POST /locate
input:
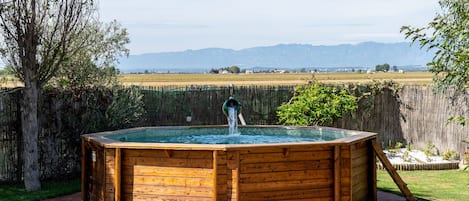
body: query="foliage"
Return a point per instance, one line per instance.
(382, 67)
(111, 109)
(448, 35)
(125, 108)
(230, 69)
(94, 64)
(450, 154)
(409, 147)
(6, 71)
(366, 93)
(315, 104)
(461, 120)
(398, 145)
(430, 150)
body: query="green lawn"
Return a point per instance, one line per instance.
(441, 185)
(49, 190)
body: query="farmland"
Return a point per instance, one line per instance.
(269, 78)
(255, 79)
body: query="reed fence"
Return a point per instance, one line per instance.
(414, 115)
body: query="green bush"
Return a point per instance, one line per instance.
(125, 108)
(316, 104)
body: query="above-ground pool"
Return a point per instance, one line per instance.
(204, 163)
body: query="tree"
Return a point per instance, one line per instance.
(448, 34)
(234, 69)
(38, 37)
(382, 67)
(94, 64)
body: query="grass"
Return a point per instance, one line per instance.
(50, 189)
(441, 185)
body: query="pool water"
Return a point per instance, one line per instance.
(245, 135)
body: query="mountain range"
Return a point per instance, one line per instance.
(283, 56)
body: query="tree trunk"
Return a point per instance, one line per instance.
(30, 135)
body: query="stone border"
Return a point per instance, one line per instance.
(422, 166)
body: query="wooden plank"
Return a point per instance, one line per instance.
(85, 160)
(345, 172)
(141, 197)
(360, 152)
(372, 164)
(195, 192)
(284, 176)
(215, 175)
(311, 148)
(285, 185)
(337, 176)
(286, 166)
(358, 162)
(143, 170)
(279, 157)
(179, 154)
(236, 175)
(117, 175)
(302, 194)
(233, 173)
(169, 162)
(392, 172)
(168, 181)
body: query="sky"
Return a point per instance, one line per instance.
(178, 25)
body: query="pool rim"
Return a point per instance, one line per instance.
(101, 139)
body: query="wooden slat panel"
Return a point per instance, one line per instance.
(362, 152)
(361, 161)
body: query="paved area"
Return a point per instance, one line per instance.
(382, 196)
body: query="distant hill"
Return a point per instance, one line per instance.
(289, 56)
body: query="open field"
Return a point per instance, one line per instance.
(270, 78)
(255, 79)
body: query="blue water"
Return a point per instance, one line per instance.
(249, 135)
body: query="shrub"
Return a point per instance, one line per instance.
(316, 104)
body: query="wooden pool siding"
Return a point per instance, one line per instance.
(330, 171)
